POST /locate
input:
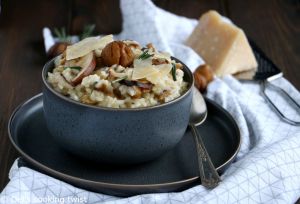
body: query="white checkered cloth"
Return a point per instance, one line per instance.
(268, 166)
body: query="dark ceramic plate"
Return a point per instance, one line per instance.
(174, 171)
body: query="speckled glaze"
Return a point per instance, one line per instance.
(118, 136)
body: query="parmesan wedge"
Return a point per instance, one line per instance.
(222, 45)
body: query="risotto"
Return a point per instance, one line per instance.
(117, 74)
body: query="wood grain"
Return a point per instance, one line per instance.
(274, 26)
(105, 14)
(189, 8)
(21, 60)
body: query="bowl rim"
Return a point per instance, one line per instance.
(67, 99)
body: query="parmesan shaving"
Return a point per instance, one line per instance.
(87, 45)
(143, 69)
(163, 70)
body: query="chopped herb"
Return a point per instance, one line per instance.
(87, 31)
(174, 72)
(75, 67)
(145, 55)
(119, 79)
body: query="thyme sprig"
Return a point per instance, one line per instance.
(173, 71)
(62, 34)
(87, 31)
(145, 55)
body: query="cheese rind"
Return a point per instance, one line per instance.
(222, 45)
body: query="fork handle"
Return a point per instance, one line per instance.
(208, 173)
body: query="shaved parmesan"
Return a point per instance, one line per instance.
(154, 78)
(163, 70)
(142, 63)
(142, 69)
(87, 45)
(145, 69)
(143, 72)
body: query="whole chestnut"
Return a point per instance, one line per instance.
(203, 75)
(57, 49)
(117, 52)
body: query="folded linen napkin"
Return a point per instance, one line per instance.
(267, 169)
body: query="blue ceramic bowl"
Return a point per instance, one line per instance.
(118, 136)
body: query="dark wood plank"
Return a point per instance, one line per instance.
(22, 56)
(189, 8)
(105, 14)
(274, 26)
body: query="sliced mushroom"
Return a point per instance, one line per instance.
(128, 82)
(144, 85)
(158, 61)
(88, 64)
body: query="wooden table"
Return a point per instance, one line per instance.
(273, 25)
